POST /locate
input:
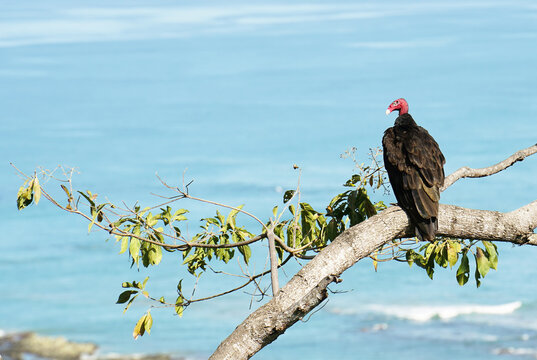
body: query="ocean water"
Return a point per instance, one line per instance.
(232, 95)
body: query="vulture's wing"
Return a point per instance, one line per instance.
(415, 167)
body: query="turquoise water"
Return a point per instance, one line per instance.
(236, 95)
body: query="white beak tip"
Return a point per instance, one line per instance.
(388, 111)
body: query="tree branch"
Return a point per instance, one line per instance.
(466, 172)
(307, 289)
(273, 260)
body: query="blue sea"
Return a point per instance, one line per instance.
(231, 95)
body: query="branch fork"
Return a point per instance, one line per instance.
(307, 289)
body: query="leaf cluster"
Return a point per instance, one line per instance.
(311, 230)
(143, 224)
(143, 325)
(29, 192)
(221, 233)
(449, 252)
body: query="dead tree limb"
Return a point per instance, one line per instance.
(307, 289)
(466, 172)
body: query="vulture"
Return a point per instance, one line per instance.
(415, 167)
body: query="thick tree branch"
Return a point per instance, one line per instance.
(307, 289)
(466, 172)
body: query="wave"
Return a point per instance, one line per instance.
(443, 312)
(516, 351)
(376, 327)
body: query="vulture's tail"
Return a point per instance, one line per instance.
(426, 229)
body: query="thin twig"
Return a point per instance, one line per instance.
(186, 195)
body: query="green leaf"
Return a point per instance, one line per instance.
(477, 277)
(369, 208)
(352, 181)
(441, 255)
(144, 210)
(220, 218)
(90, 201)
(129, 303)
(139, 329)
(409, 257)
(452, 254)
(92, 221)
(463, 272)
(246, 252)
(24, 195)
(429, 252)
(179, 308)
(288, 195)
(134, 249)
(492, 252)
(180, 212)
(212, 221)
(124, 244)
(292, 210)
(430, 270)
(151, 220)
(148, 322)
(456, 245)
(37, 191)
(69, 196)
(231, 217)
(155, 254)
(125, 296)
(307, 208)
(331, 230)
(483, 265)
(413, 257)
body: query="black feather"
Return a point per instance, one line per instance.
(415, 167)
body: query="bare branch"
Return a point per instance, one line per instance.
(186, 195)
(250, 280)
(466, 172)
(273, 260)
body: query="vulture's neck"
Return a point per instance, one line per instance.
(405, 120)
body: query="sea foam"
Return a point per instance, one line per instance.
(425, 313)
(516, 351)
